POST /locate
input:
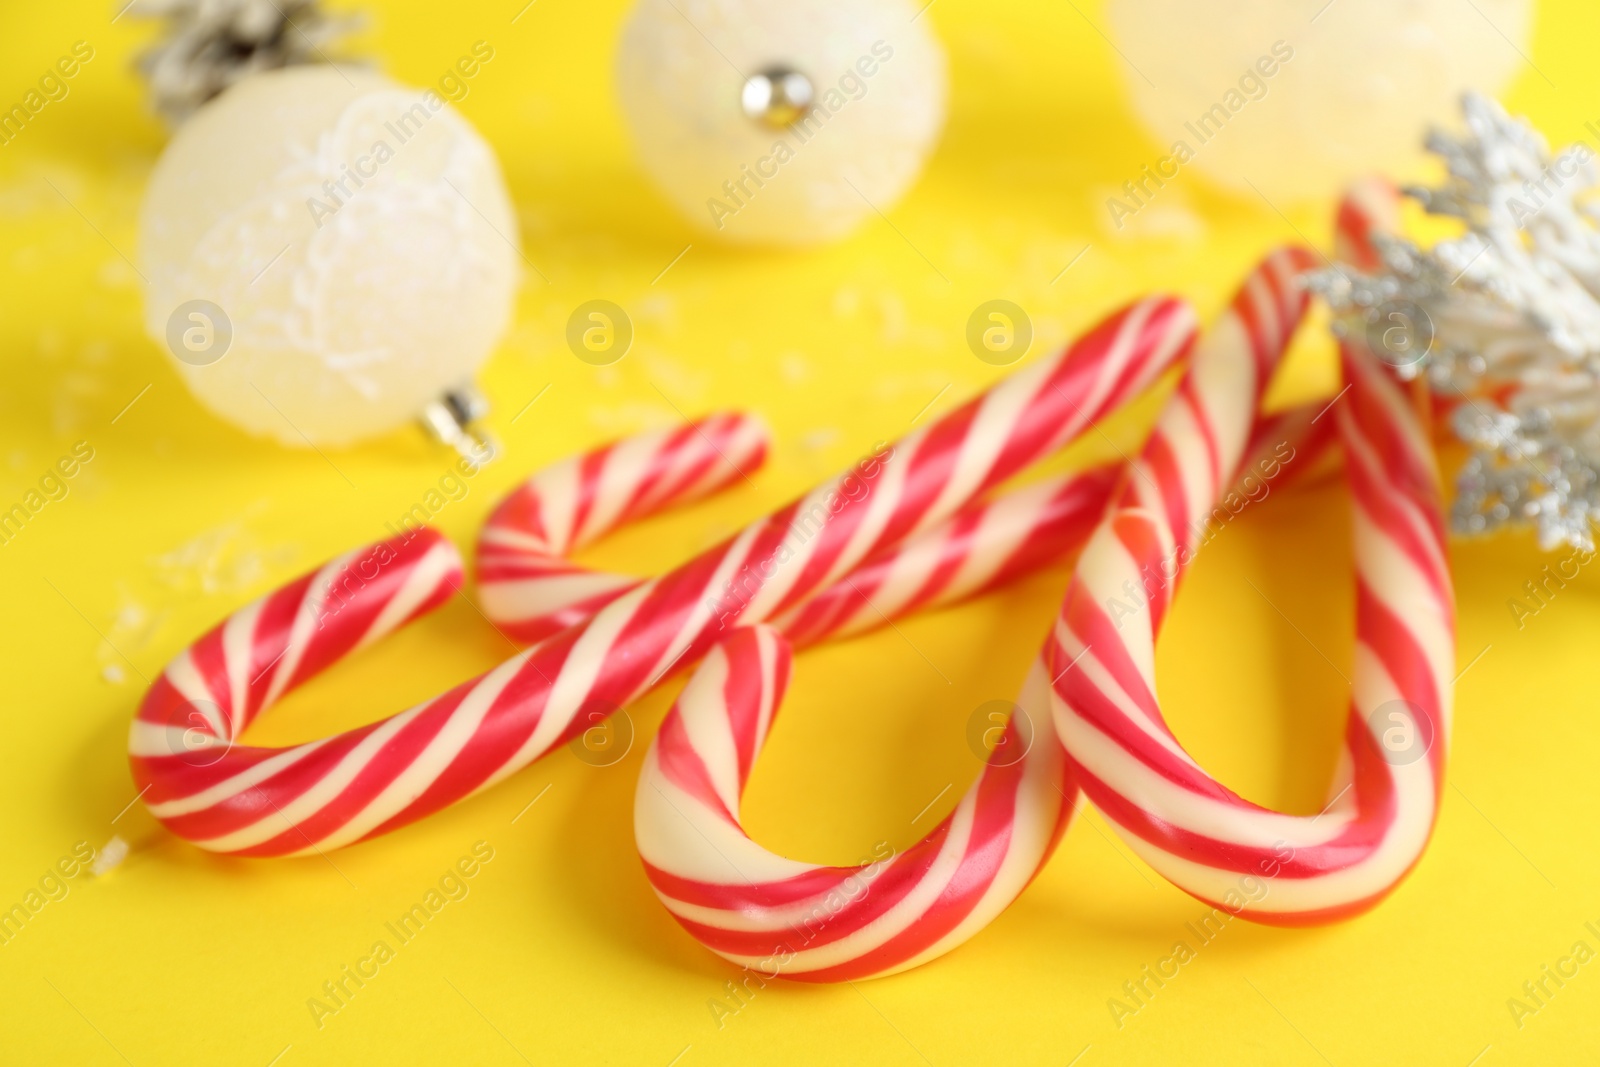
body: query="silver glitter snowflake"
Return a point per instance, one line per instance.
(1505, 316)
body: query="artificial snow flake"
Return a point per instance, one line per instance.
(1505, 316)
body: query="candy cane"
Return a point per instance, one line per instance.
(820, 923)
(328, 793)
(530, 587)
(1206, 839)
(778, 916)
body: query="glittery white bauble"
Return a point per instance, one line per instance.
(1364, 80)
(877, 81)
(325, 252)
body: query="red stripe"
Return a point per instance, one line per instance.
(591, 466)
(981, 861)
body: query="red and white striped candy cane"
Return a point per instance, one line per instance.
(529, 588)
(820, 923)
(779, 916)
(1209, 841)
(338, 790)
(526, 584)
(181, 744)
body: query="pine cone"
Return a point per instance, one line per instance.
(211, 44)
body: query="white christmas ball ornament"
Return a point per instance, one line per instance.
(781, 123)
(326, 252)
(1296, 101)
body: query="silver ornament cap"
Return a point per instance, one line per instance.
(777, 96)
(456, 419)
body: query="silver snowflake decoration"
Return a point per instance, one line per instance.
(1505, 316)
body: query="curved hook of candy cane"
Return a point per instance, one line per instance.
(181, 744)
(1233, 854)
(338, 790)
(526, 585)
(820, 923)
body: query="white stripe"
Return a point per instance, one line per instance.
(1105, 567)
(1038, 800)
(1225, 386)
(990, 431)
(1099, 675)
(229, 788)
(238, 638)
(184, 676)
(1113, 377)
(584, 662)
(431, 762)
(1228, 821)
(677, 833)
(620, 474)
(556, 488)
(907, 910)
(425, 578)
(1004, 527)
(703, 712)
(515, 541)
(1399, 848)
(883, 504)
(302, 628)
(525, 599)
(287, 817)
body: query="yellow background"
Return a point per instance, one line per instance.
(560, 953)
